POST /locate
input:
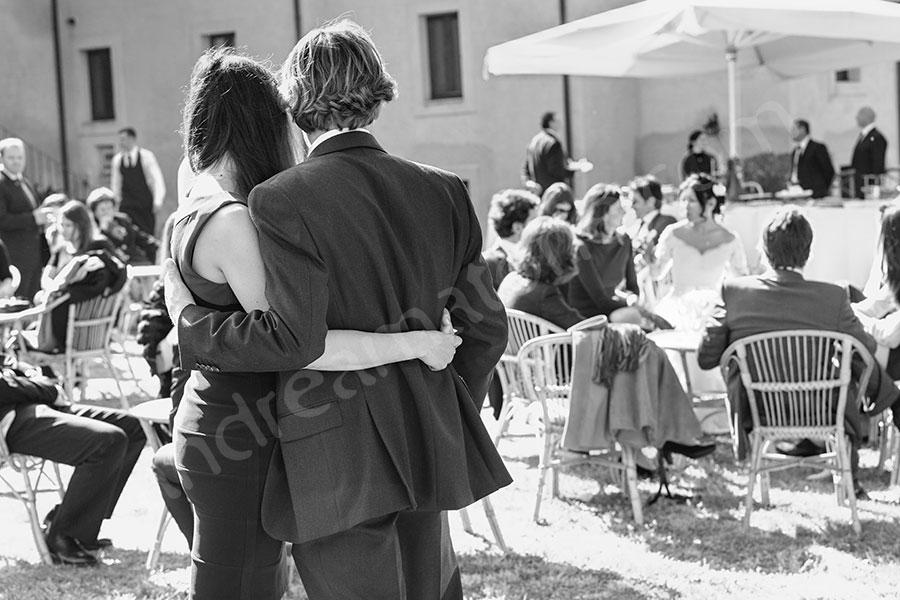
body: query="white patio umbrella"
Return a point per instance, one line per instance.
(674, 38)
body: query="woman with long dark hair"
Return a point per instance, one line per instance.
(606, 283)
(237, 135)
(559, 201)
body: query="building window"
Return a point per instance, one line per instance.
(215, 40)
(443, 56)
(101, 83)
(847, 76)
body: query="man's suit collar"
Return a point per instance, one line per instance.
(345, 141)
(782, 275)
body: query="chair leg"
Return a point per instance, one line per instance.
(506, 414)
(60, 486)
(495, 525)
(153, 556)
(895, 466)
(542, 474)
(123, 400)
(34, 520)
(885, 439)
(466, 522)
(843, 447)
(631, 482)
(755, 460)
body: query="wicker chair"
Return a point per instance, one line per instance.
(33, 471)
(545, 363)
(797, 384)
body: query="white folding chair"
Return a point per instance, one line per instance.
(797, 384)
(33, 473)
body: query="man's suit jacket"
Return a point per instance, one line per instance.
(781, 300)
(496, 259)
(814, 169)
(354, 238)
(660, 222)
(545, 160)
(21, 233)
(868, 158)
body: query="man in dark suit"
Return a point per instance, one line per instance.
(546, 161)
(811, 166)
(510, 212)
(356, 238)
(21, 221)
(781, 299)
(102, 444)
(868, 152)
(646, 199)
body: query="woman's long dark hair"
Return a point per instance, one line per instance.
(890, 239)
(233, 111)
(556, 194)
(78, 213)
(597, 201)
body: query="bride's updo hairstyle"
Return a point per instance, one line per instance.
(705, 189)
(233, 113)
(334, 78)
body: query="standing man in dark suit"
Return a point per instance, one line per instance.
(354, 236)
(781, 299)
(511, 210)
(21, 221)
(546, 161)
(811, 166)
(868, 152)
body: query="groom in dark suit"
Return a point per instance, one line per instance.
(811, 166)
(781, 299)
(356, 238)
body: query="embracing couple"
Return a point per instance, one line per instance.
(307, 320)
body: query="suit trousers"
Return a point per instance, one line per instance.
(102, 444)
(405, 555)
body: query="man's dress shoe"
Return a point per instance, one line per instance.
(692, 451)
(804, 447)
(68, 551)
(97, 544)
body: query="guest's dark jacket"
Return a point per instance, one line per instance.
(601, 268)
(868, 158)
(354, 238)
(814, 169)
(545, 160)
(537, 298)
(660, 222)
(781, 300)
(16, 389)
(133, 245)
(495, 258)
(20, 232)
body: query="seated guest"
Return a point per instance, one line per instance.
(510, 212)
(781, 299)
(604, 259)
(646, 200)
(102, 444)
(878, 312)
(544, 260)
(559, 201)
(83, 266)
(133, 246)
(811, 166)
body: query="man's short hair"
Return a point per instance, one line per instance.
(787, 238)
(98, 196)
(129, 131)
(11, 142)
(335, 78)
(649, 189)
(547, 118)
(803, 124)
(509, 207)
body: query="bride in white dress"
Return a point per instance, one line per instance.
(696, 255)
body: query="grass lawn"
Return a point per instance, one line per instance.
(801, 547)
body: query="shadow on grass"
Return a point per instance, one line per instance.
(514, 576)
(707, 530)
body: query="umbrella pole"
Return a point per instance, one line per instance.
(731, 59)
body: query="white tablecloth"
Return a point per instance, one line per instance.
(844, 237)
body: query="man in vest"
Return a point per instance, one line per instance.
(137, 182)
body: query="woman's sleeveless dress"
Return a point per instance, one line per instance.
(223, 442)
